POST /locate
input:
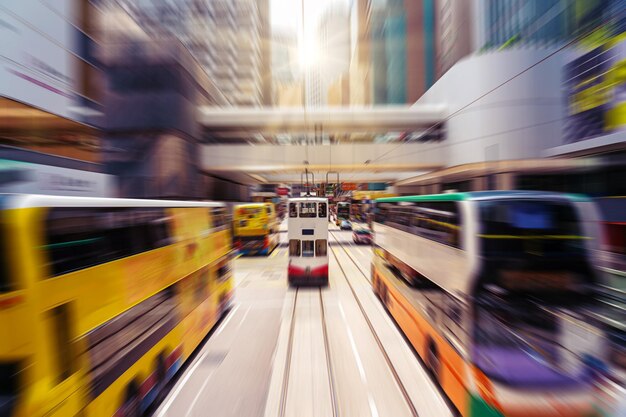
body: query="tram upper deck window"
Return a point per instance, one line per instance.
(293, 210)
(307, 210)
(322, 210)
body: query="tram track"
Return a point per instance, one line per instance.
(327, 355)
(379, 343)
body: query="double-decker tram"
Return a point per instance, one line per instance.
(308, 240)
(102, 300)
(343, 212)
(255, 228)
(490, 289)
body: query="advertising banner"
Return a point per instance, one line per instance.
(28, 178)
(595, 77)
(37, 64)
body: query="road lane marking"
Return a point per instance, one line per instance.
(208, 378)
(372, 404)
(357, 357)
(359, 363)
(194, 366)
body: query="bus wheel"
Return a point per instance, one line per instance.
(132, 403)
(432, 359)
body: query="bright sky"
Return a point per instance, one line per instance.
(287, 15)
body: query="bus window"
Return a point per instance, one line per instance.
(321, 210)
(62, 342)
(307, 248)
(294, 247)
(321, 247)
(80, 238)
(5, 283)
(307, 210)
(219, 216)
(293, 210)
(75, 240)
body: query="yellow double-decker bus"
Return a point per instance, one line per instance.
(255, 228)
(102, 300)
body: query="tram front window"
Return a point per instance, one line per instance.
(307, 248)
(321, 247)
(294, 247)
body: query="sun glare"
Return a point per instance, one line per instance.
(308, 54)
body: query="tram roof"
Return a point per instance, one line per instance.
(484, 195)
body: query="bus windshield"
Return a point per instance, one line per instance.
(537, 227)
(524, 346)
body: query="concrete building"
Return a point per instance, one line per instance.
(332, 38)
(266, 67)
(285, 65)
(315, 95)
(50, 81)
(566, 103)
(360, 46)
(287, 76)
(378, 56)
(402, 50)
(289, 94)
(230, 39)
(528, 22)
(339, 92)
(454, 33)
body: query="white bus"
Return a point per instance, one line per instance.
(308, 240)
(491, 289)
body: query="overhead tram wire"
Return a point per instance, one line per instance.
(456, 112)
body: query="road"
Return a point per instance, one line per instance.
(305, 352)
